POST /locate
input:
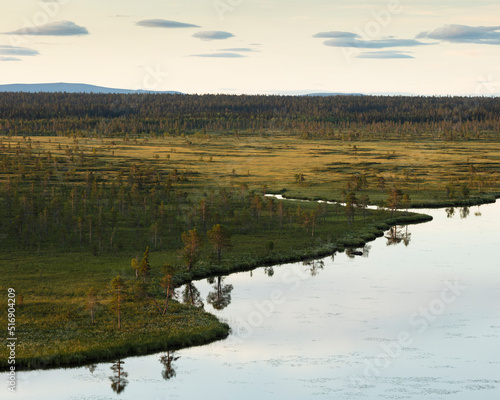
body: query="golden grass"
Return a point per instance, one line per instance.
(421, 168)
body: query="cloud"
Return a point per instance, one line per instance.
(59, 28)
(163, 23)
(17, 51)
(240, 49)
(373, 44)
(9, 59)
(351, 39)
(220, 55)
(465, 34)
(336, 35)
(213, 35)
(387, 54)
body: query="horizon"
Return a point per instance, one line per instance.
(372, 47)
(296, 94)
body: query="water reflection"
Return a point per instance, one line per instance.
(366, 250)
(91, 367)
(119, 380)
(314, 266)
(353, 252)
(168, 369)
(191, 295)
(398, 234)
(220, 297)
(269, 271)
(464, 212)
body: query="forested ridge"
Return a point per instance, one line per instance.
(338, 117)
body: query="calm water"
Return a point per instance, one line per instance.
(415, 320)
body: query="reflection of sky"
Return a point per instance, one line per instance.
(329, 326)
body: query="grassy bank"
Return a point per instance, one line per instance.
(53, 342)
(295, 251)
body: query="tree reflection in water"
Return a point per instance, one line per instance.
(314, 266)
(220, 298)
(168, 370)
(450, 212)
(118, 380)
(91, 367)
(464, 212)
(191, 295)
(406, 236)
(364, 252)
(398, 234)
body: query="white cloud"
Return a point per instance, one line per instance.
(163, 23)
(373, 44)
(59, 28)
(9, 59)
(465, 34)
(17, 51)
(336, 34)
(213, 35)
(385, 54)
(240, 49)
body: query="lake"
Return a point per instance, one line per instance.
(417, 316)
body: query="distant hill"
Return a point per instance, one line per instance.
(70, 88)
(333, 94)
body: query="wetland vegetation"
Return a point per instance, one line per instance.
(89, 182)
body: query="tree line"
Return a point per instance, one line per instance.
(336, 117)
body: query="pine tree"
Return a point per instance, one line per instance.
(220, 238)
(394, 200)
(118, 296)
(167, 283)
(191, 250)
(145, 267)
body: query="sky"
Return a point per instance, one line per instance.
(420, 47)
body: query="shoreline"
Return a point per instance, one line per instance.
(415, 205)
(220, 330)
